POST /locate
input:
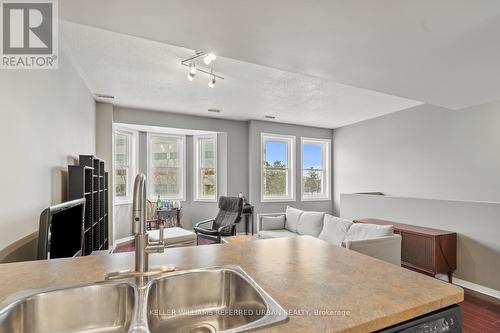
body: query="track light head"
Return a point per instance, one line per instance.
(192, 68)
(190, 76)
(207, 59)
(211, 83)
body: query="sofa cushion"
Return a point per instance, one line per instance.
(292, 218)
(272, 222)
(310, 223)
(335, 229)
(359, 231)
(276, 233)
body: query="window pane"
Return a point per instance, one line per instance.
(313, 183)
(208, 182)
(315, 173)
(121, 179)
(121, 149)
(206, 187)
(166, 181)
(313, 156)
(275, 182)
(276, 154)
(207, 152)
(121, 162)
(166, 152)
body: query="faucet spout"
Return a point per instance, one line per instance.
(139, 204)
(143, 247)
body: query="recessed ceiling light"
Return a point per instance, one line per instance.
(270, 117)
(214, 110)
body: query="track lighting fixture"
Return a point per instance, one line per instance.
(208, 58)
(211, 83)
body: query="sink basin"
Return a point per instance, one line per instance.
(210, 300)
(101, 307)
(221, 299)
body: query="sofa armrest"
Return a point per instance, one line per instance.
(259, 218)
(384, 248)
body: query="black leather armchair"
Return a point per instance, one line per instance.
(224, 223)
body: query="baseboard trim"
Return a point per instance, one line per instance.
(472, 286)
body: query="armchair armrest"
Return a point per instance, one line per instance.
(203, 222)
(226, 227)
(386, 248)
(260, 216)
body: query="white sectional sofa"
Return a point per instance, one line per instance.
(373, 240)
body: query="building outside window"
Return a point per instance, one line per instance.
(277, 173)
(205, 168)
(315, 156)
(166, 166)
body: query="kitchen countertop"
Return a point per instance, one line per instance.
(325, 288)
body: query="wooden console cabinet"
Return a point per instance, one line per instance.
(429, 251)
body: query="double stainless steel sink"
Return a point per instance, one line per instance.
(219, 299)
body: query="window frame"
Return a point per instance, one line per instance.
(326, 152)
(132, 164)
(290, 140)
(197, 161)
(149, 173)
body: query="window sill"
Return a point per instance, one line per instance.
(315, 199)
(205, 200)
(277, 200)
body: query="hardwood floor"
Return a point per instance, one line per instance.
(125, 247)
(479, 315)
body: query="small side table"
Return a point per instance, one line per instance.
(247, 213)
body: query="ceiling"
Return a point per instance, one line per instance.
(145, 74)
(442, 52)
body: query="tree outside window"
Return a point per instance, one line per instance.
(277, 171)
(315, 169)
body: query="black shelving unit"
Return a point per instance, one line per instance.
(89, 180)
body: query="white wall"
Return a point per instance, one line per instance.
(448, 159)
(426, 152)
(476, 225)
(47, 118)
